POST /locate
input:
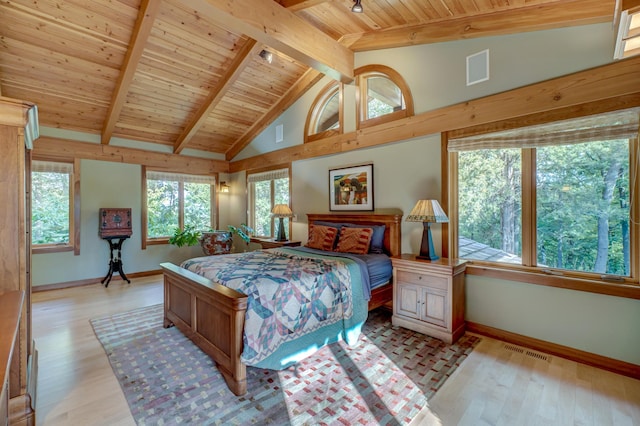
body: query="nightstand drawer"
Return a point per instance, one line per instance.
(422, 279)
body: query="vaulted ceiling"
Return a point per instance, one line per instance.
(187, 73)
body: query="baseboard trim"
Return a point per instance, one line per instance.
(594, 360)
(91, 281)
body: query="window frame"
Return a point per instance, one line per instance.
(251, 198)
(74, 210)
(146, 241)
(575, 280)
(326, 93)
(374, 70)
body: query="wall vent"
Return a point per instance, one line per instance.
(527, 352)
(478, 67)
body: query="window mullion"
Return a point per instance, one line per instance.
(181, 204)
(529, 207)
(453, 189)
(273, 201)
(213, 211)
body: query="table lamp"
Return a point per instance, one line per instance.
(427, 211)
(281, 211)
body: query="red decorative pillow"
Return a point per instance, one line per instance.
(321, 237)
(354, 240)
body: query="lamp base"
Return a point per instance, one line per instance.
(281, 235)
(434, 257)
(427, 252)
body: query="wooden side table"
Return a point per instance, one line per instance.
(428, 296)
(115, 262)
(268, 243)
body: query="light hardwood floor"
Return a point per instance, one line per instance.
(496, 385)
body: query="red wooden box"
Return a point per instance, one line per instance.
(114, 223)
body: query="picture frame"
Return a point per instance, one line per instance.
(351, 188)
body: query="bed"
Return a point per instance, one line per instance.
(213, 316)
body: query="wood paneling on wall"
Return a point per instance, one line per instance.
(612, 83)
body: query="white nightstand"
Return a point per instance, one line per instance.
(428, 296)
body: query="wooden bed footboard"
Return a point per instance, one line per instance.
(212, 316)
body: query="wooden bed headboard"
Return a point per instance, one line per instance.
(391, 219)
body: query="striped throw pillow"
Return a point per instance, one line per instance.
(354, 240)
(321, 237)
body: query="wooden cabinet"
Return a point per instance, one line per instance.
(268, 243)
(18, 127)
(10, 309)
(428, 296)
(114, 222)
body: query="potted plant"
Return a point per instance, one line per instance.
(213, 242)
(188, 236)
(243, 231)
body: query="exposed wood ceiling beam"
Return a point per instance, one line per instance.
(271, 24)
(141, 31)
(304, 83)
(233, 71)
(521, 19)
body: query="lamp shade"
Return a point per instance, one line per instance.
(281, 210)
(427, 211)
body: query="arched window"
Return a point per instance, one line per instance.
(325, 116)
(383, 96)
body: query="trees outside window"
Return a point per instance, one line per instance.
(177, 200)
(383, 96)
(583, 207)
(489, 207)
(555, 197)
(325, 118)
(265, 190)
(51, 205)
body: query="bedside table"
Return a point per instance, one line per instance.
(428, 296)
(268, 243)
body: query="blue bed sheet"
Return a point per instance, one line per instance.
(376, 269)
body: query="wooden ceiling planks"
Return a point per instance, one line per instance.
(216, 94)
(181, 85)
(50, 54)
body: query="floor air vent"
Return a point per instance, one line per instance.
(527, 352)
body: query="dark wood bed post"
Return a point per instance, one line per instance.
(212, 315)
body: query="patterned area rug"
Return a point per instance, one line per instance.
(385, 379)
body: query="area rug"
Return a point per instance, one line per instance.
(386, 378)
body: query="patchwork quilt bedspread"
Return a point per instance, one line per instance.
(290, 294)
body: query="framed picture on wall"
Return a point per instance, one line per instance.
(351, 188)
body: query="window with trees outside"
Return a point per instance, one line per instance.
(52, 201)
(325, 116)
(383, 95)
(556, 197)
(266, 189)
(176, 200)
